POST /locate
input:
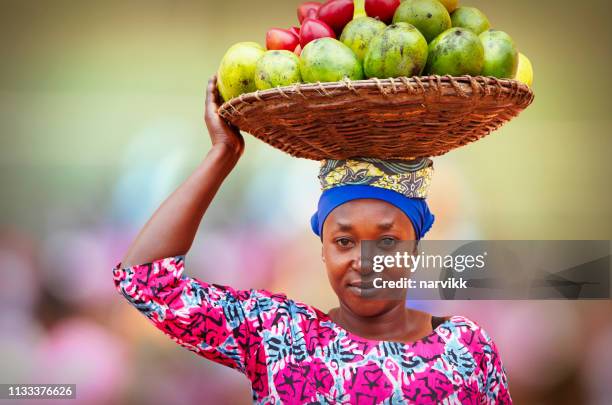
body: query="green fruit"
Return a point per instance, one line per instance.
(428, 16)
(329, 60)
(471, 19)
(400, 50)
(500, 55)
(358, 33)
(456, 52)
(277, 68)
(236, 74)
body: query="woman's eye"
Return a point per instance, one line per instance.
(386, 243)
(344, 242)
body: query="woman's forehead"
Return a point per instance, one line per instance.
(369, 216)
(375, 211)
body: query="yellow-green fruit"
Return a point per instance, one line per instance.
(524, 72)
(329, 60)
(359, 9)
(277, 68)
(428, 16)
(358, 33)
(450, 5)
(470, 18)
(236, 74)
(400, 50)
(500, 54)
(455, 52)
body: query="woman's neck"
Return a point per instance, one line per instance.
(396, 324)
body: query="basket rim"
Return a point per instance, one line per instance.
(414, 83)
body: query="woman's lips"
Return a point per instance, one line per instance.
(362, 287)
(362, 284)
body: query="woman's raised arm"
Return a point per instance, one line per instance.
(172, 228)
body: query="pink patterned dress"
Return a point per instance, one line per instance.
(293, 353)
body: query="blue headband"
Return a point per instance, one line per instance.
(416, 209)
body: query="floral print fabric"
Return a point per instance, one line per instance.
(409, 178)
(293, 353)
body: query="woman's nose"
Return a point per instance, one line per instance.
(356, 263)
(356, 260)
(361, 261)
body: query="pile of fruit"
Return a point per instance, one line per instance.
(377, 38)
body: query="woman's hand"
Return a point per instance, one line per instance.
(220, 131)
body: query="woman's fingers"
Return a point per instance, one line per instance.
(220, 131)
(211, 98)
(212, 94)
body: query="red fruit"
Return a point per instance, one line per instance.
(308, 10)
(382, 9)
(280, 39)
(314, 29)
(298, 50)
(337, 13)
(295, 30)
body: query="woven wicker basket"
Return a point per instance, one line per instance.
(391, 118)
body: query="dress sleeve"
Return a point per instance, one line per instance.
(495, 381)
(211, 320)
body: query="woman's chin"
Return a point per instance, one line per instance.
(364, 303)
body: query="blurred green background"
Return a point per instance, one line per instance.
(80, 79)
(101, 108)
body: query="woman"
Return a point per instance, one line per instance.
(365, 351)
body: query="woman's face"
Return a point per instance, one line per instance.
(344, 230)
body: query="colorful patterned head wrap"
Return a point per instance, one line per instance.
(402, 183)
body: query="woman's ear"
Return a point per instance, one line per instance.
(322, 255)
